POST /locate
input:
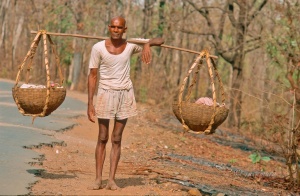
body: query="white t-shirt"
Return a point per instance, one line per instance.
(114, 69)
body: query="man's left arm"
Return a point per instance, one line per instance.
(146, 53)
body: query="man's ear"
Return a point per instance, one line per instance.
(125, 29)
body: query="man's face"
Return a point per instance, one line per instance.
(117, 28)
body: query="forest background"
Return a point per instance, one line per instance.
(256, 41)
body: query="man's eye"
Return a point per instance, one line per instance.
(115, 27)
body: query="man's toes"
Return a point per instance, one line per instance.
(96, 186)
(112, 187)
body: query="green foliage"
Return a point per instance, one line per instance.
(182, 139)
(143, 94)
(68, 83)
(232, 161)
(257, 158)
(133, 61)
(62, 20)
(282, 45)
(66, 56)
(283, 48)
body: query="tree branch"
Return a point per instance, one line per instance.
(255, 12)
(231, 13)
(252, 48)
(253, 40)
(194, 33)
(205, 13)
(222, 23)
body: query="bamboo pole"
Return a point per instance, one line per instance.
(136, 41)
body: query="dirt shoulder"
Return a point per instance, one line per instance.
(157, 159)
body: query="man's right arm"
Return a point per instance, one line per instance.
(92, 81)
(146, 53)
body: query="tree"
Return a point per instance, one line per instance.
(240, 14)
(283, 47)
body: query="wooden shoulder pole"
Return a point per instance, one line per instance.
(136, 41)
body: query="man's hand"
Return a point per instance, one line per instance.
(146, 53)
(156, 41)
(91, 113)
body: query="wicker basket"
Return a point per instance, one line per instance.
(39, 102)
(31, 101)
(200, 117)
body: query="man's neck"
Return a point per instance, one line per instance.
(117, 42)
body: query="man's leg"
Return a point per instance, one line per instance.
(100, 151)
(115, 154)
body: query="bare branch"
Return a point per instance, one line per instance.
(194, 33)
(222, 23)
(289, 76)
(205, 13)
(255, 12)
(212, 7)
(254, 39)
(252, 48)
(231, 13)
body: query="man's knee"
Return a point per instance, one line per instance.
(116, 140)
(102, 140)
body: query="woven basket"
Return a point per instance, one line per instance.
(200, 117)
(32, 101)
(39, 102)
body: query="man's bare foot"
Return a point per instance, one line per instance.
(96, 186)
(112, 186)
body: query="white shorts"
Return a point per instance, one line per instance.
(115, 104)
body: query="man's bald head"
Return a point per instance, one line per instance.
(119, 18)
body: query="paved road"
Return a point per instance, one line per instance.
(18, 135)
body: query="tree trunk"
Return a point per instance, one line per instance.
(77, 10)
(17, 33)
(237, 65)
(4, 7)
(265, 97)
(234, 116)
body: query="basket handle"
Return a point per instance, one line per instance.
(53, 46)
(30, 55)
(219, 80)
(208, 62)
(47, 73)
(180, 96)
(195, 76)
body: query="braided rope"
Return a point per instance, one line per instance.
(208, 61)
(48, 74)
(53, 46)
(180, 96)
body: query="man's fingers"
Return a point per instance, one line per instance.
(92, 119)
(146, 55)
(146, 58)
(91, 114)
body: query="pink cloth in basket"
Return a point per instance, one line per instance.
(206, 101)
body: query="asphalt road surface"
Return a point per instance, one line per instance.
(18, 135)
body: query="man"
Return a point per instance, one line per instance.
(115, 99)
